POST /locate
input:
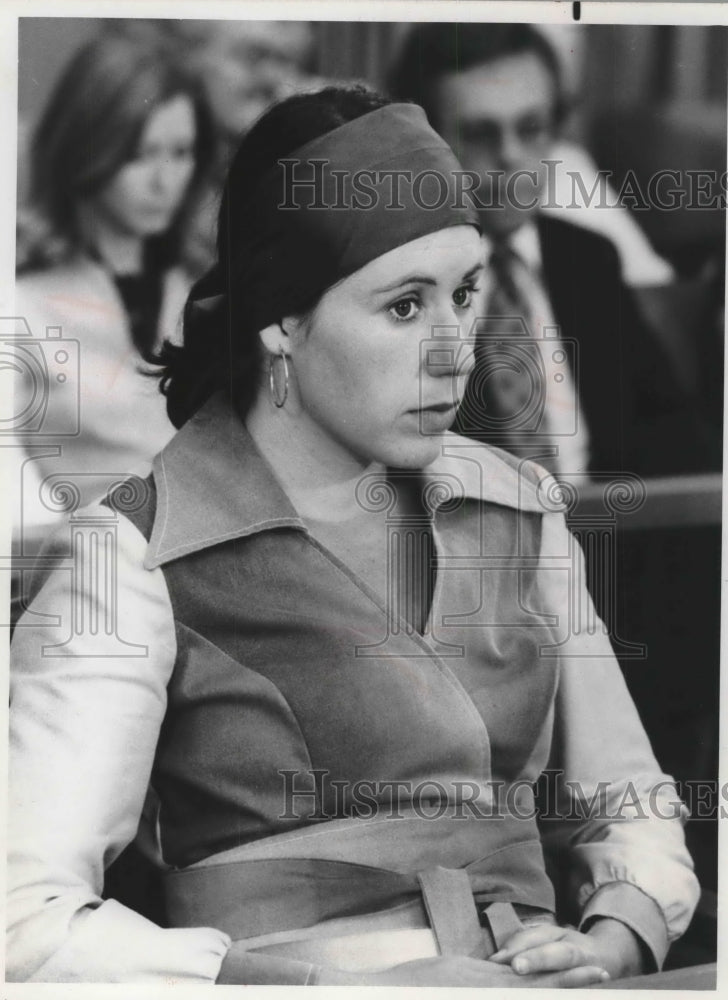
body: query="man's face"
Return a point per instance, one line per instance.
(500, 117)
(247, 65)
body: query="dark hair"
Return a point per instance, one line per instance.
(431, 50)
(221, 349)
(91, 127)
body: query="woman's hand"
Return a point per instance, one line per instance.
(608, 944)
(461, 971)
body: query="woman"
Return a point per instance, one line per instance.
(338, 648)
(116, 157)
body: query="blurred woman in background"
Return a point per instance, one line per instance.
(119, 150)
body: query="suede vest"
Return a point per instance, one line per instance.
(296, 700)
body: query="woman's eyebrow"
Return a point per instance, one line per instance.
(413, 279)
(480, 266)
(420, 279)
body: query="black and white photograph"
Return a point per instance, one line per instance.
(362, 442)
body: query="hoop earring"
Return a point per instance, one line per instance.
(281, 356)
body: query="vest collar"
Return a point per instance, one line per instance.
(213, 484)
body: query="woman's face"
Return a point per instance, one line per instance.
(379, 365)
(142, 198)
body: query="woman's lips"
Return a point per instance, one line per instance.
(437, 417)
(439, 407)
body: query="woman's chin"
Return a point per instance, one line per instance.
(416, 452)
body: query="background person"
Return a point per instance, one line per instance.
(494, 92)
(121, 146)
(243, 68)
(255, 572)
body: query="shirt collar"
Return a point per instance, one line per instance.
(214, 485)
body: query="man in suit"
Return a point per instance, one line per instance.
(607, 400)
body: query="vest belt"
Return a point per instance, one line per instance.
(390, 937)
(247, 896)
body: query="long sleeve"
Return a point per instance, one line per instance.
(85, 718)
(613, 821)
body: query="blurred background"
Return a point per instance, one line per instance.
(642, 99)
(645, 96)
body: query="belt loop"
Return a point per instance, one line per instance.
(449, 902)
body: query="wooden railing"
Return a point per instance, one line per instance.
(672, 502)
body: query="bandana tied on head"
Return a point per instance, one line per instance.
(340, 201)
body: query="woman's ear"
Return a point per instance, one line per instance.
(278, 336)
(275, 339)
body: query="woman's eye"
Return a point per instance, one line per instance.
(143, 157)
(405, 309)
(176, 154)
(463, 296)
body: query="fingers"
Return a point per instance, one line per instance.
(530, 937)
(585, 975)
(457, 971)
(552, 957)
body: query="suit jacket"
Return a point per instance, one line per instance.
(639, 419)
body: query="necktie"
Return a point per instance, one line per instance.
(505, 397)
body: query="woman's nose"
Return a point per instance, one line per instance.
(164, 176)
(450, 353)
(158, 176)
